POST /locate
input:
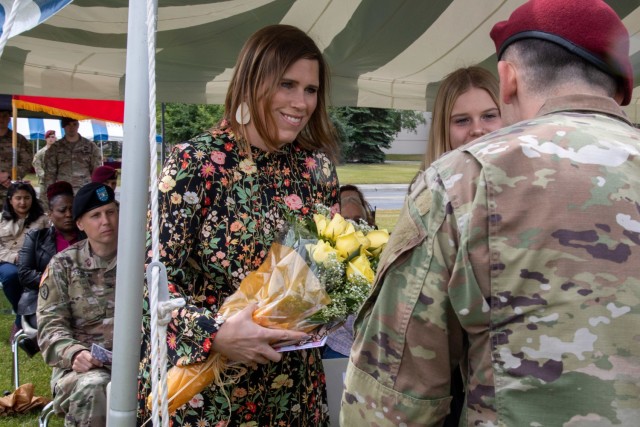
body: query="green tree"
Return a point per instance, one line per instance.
(364, 131)
(184, 121)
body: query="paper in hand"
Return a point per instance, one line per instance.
(309, 344)
(101, 354)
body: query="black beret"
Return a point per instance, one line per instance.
(92, 196)
(588, 29)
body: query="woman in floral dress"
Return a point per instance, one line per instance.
(223, 197)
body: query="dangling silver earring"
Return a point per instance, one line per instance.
(242, 114)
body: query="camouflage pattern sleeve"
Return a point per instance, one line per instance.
(25, 156)
(399, 371)
(96, 156)
(38, 163)
(55, 336)
(51, 165)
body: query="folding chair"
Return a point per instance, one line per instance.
(27, 331)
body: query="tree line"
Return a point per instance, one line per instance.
(363, 131)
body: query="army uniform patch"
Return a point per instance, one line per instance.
(44, 291)
(102, 194)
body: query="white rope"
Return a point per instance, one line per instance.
(8, 24)
(160, 310)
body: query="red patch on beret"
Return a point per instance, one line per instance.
(589, 29)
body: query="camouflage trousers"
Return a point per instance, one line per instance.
(82, 398)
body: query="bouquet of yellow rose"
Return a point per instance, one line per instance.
(319, 272)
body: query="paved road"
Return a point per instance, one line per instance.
(384, 196)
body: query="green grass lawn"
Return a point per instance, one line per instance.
(32, 370)
(385, 173)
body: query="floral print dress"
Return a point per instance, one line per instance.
(220, 210)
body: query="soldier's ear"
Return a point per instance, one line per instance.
(508, 81)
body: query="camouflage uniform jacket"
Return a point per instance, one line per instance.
(25, 155)
(38, 162)
(75, 306)
(516, 256)
(71, 161)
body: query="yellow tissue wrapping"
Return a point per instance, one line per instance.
(287, 293)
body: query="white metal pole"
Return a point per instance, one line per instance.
(134, 197)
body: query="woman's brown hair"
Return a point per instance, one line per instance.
(262, 62)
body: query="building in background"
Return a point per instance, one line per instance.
(409, 142)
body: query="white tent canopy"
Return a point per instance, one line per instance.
(382, 53)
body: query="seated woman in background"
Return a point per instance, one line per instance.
(22, 212)
(39, 246)
(355, 207)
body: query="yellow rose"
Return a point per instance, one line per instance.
(377, 240)
(347, 245)
(349, 229)
(320, 251)
(360, 266)
(336, 227)
(321, 223)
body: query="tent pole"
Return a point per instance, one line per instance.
(134, 198)
(14, 142)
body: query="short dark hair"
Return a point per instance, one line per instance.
(549, 65)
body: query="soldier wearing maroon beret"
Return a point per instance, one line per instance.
(516, 256)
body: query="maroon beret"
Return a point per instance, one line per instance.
(587, 28)
(49, 132)
(58, 188)
(103, 173)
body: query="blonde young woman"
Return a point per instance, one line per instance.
(466, 108)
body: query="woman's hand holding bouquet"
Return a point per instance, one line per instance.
(315, 276)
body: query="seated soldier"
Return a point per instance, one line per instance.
(76, 308)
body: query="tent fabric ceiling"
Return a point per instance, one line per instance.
(382, 53)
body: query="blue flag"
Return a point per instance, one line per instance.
(30, 13)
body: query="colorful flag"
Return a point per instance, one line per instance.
(29, 14)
